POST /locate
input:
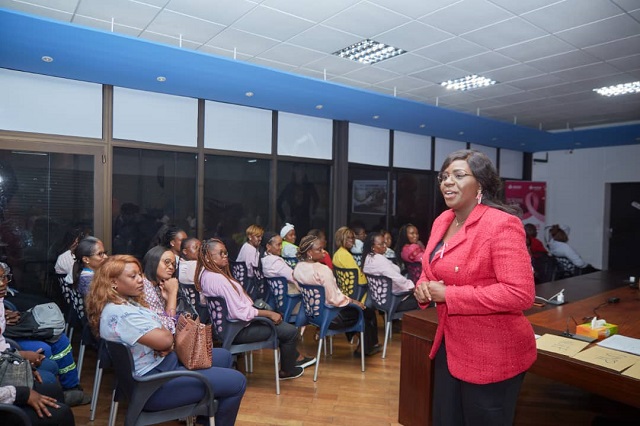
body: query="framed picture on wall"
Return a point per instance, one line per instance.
(369, 197)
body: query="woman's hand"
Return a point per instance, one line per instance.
(34, 358)
(36, 376)
(169, 288)
(359, 303)
(422, 292)
(437, 291)
(40, 403)
(12, 317)
(273, 316)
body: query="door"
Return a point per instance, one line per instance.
(624, 227)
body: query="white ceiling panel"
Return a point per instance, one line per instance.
(505, 33)
(402, 84)
(602, 31)
(536, 82)
(406, 64)
(290, 54)
(244, 42)
(483, 62)
(496, 91)
(212, 50)
(523, 6)
(175, 25)
(628, 5)
(571, 13)
(324, 39)
(512, 73)
(366, 20)
(272, 23)
(68, 6)
(440, 74)
(371, 75)
(412, 35)
(170, 40)
(124, 12)
(616, 49)
(414, 9)
(563, 61)
(34, 9)
(316, 11)
(450, 50)
(629, 63)
(586, 72)
(106, 26)
(223, 12)
(334, 65)
(272, 64)
(537, 48)
(466, 16)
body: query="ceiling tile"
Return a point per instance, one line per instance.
(271, 64)
(403, 84)
(523, 6)
(350, 82)
(175, 25)
(370, 75)
(334, 65)
(496, 90)
(516, 98)
(536, 82)
(571, 13)
(628, 63)
(406, 63)
(505, 33)
(213, 50)
(628, 5)
(243, 42)
(563, 61)
(324, 39)
(586, 72)
(414, 9)
(616, 49)
(292, 55)
(366, 20)
(170, 40)
(537, 48)
(316, 11)
(123, 12)
(271, 23)
(450, 50)
(63, 14)
(433, 91)
(463, 17)
(157, 3)
(440, 73)
(512, 73)
(67, 6)
(223, 12)
(319, 75)
(454, 98)
(602, 31)
(483, 62)
(106, 26)
(412, 35)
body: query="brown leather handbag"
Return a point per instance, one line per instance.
(193, 343)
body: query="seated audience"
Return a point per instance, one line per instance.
(215, 280)
(388, 240)
(326, 260)
(559, 247)
(289, 247)
(342, 258)
(271, 262)
(375, 263)
(118, 312)
(160, 285)
(249, 250)
(409, 245)
(360, 234)
(65, 261)
(310, 271)
(189, 257)
(89, 254)
(170, 237)
(536, 248)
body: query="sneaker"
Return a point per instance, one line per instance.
(76, 397)
(305, 362)
(295, 373)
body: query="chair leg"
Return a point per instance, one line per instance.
(96, 390)
(246, 362)
(331, 345)
(315, 373)
(70, 333)
(277, 368)
(387, 335)
(113, 411)
(325, 346)
(251, 362)
(212, 421)
(81, 359)
(362, 349)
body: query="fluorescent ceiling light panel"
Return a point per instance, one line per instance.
(369, 52)
(467, 83)
(619, 89)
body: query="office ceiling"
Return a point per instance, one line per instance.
(546, 55)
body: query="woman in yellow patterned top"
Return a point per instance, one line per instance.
(342, 258)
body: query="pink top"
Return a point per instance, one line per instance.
(239, 304)
(378, 264)
(412, 253)
(319, 274)
(249, 255)
(274, 266)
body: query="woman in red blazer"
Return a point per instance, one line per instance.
(477, 269)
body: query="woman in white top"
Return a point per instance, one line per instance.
(558, 247)
(249, 250)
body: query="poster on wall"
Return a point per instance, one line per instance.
(369, 197)
(531, 197)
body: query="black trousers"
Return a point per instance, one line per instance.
(62, 416)
(348, 316)
(287, 337)
(456, 402)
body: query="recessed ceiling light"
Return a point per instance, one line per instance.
(461, 133)
(467, 83)
(319, 106)
(161, 79)
(248, 94)
(422, 126)
(619, 89)
(253, 160)
(47, 58)
(369, 52)
(375, 117)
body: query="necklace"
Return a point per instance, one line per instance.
(458, 223)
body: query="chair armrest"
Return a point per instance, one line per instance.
(148, 385)
(403, 293)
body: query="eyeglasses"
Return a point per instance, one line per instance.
(101, 254)
(222, 253)
(7, 277)
(458, 175)
(169, 262)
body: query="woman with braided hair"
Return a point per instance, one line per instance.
(215, 280)
(310, 271)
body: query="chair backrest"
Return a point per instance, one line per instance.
(279, 289)
(565, 268)
(313, 298)
(190, 293)
(14, 413)
(544, 268)
(259, 287)
(414, 270)
(77, 301)
(124, 368)
(291, 261)
(347, 280)
(380, 291)
(218, 312)
(240, 272)
(358, 259)
(66, 288)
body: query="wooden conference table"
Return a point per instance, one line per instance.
(582, 293)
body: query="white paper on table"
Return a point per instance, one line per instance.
(622, 343)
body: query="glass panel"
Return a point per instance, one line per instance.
(415, 195)
(368, 198)
(303, 197)
(42, 196)
(151, 188)
(236, 195)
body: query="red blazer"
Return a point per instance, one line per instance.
(489, 279)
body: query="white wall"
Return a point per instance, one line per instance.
(576, 183)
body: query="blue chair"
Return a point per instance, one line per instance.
(291, 261)
(69, 313)
(358, 259)
(382, 298)
(347, 280)
(259, 289)
(321, 315)
(281, 300)
(137, 390)
(191, 295)
(225, 331)
(240, 272)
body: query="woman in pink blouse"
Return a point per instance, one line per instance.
(249, 250)
(310, 271)
(216, 281)
(376, 263)
(409, 245)
(272, 264)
